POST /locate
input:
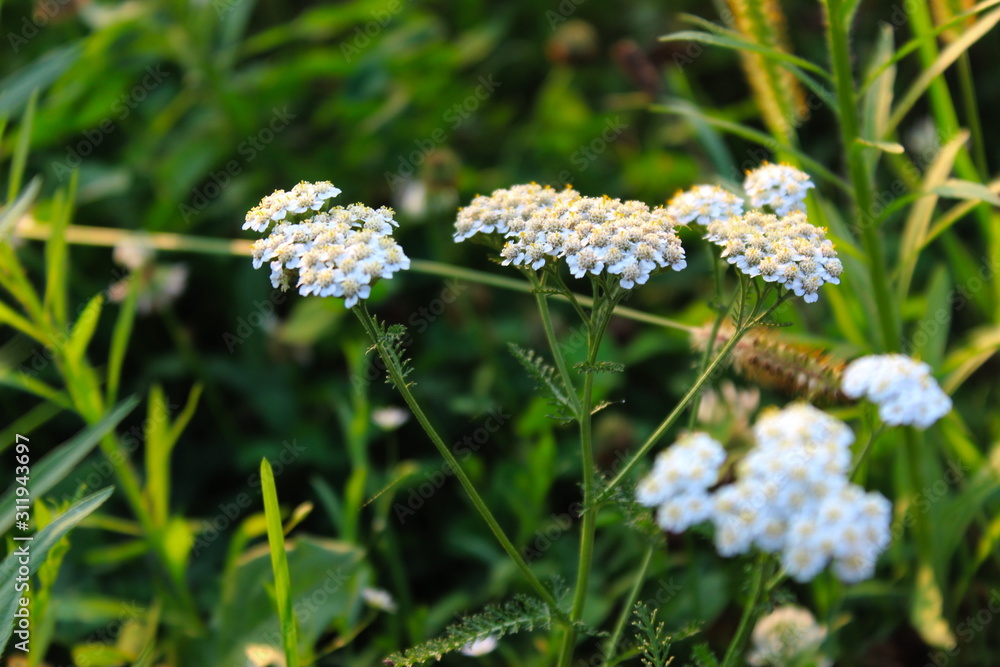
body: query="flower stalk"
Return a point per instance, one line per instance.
(397, 375)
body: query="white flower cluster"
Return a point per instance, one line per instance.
(519, 203)
(340, 252)
(680, 479)
(780, 186)
(304, 197)
(792, 497)
(787, 636)
(704, 204)
(594, 235)
(789, 250)
(903, 388)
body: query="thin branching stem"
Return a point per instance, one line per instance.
(611, 648)
(396, 374)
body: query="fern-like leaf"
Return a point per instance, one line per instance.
(600, 367)
(654, 642)
(394, 340)
(548, 380)
(703, 656)
(521, 614)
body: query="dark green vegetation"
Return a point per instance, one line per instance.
(178, 116)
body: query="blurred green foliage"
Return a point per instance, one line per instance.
(177, 116)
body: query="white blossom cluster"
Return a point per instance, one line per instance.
(792, 496)
(903, 388)
(789, 251)
(594, 235)
(680, 479)
(276, 206)
(519, 203)
(340, 252)
(780, 186)
(704, 204)
(787, 636)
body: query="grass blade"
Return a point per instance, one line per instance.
(279, 564)
(732, 40)
(11, 214)
(919, 219)
(43, 541)
(54, 466)
(750, 134)
(943, 62)
(20, 156)
(120, 337)
(56, 258)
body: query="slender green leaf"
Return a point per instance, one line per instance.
(948, 56)
(56, 255)
(962, 362)
(157, 455)
(732, 40)
(13, 319)
(20, 157)
(161, 436)
(279, 565)
(884, 146)
(877, 100)
(930, 336)
(119, 340)
(32, 385)
(955, 188)
(756, 136)
(11, 214)
(83, 329)
(330, 502)
(916, 42)
(919, 219)
(955, 214)
(18, 88)
(39, 548)
(54, 466)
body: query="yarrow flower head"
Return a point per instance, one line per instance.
(519, 204)
(788, 636)
(341, 252)
(789, 251)
(780, 186)
(903, 388)
(704, 204)
(680, 479)
(792, 496)
(595, 235)
(276, 206)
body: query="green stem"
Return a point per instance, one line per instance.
(749, 614)
(629, 605)
(840, 57)
(720, 316)
(598, 322)
(743, 325)
(550, 334)
(674, 415)
(396, 374)
(972, 115)
(863, 456)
